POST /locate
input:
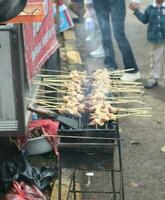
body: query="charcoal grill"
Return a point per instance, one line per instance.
(90, 148)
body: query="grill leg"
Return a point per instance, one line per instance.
(113, 184)
(122, 196)
(74, 184)
(59, 182)
(70, 185)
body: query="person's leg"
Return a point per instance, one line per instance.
(102, 12)
(77, 7)
(156, 61)
(118, 12)
(163, 61)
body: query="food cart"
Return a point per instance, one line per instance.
(24, 49)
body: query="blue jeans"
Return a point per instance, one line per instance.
(117, 10)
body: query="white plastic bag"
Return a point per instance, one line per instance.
(90, 24)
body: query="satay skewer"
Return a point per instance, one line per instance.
(126, 101)
(40, 91)
(48, 83)
(49, 70)
(44, 101)
(52, 87)
(141, 109)
(125, 82)
(125, 91)
(49, 97)
(120, 70)
(132, 114)
(36, 101)
(121, 98)
(53, 75)
(125, 86)
(49, 102)
(50, 79)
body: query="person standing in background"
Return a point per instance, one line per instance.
(154, 16)
(117, 10)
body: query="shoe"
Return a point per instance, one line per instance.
(112, 69)
(131, 76)
(98, 53)
(150, 83)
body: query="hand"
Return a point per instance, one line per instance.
(134, 6)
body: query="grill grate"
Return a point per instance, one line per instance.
(88, 147)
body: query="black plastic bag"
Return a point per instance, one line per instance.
(14, 166)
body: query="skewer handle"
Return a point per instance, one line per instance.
(39, 110)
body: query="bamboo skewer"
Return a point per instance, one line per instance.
(53, 85)
(52, 108)
(45, 91)
(63, 77)
(132, 114)
(122, 70)
(111, 102)
(133, 109)
(125, 101)
(55, 80)
(125, 91)
(48, 84)
(43, 83)
(46, 102)
(121, 98)
(125, 82)
(50, 98)
(60, 83)
(54, 88)
(49, 70)
(36, 101)
(39, 95)
(126, 86)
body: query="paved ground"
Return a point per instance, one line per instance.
(144, 164)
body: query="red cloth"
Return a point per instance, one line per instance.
(48, 127)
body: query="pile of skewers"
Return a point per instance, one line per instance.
(100, 109)
(74, 99)
(68, 89)
(100, 94)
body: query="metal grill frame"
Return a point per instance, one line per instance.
(83, 146)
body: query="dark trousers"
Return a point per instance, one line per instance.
(115, 9)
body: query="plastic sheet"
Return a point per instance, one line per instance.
(15, 167)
